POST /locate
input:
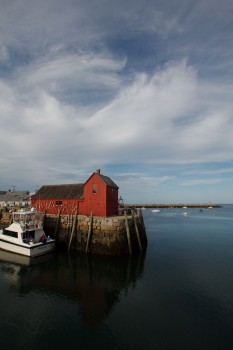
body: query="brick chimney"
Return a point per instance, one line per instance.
(97, 171)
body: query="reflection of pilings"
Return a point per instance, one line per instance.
(128, 273)
(95, 282)
(140, 263)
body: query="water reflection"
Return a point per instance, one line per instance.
(95, 282)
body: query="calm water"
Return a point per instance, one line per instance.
(179, 295)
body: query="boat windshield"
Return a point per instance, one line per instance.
(28, 219)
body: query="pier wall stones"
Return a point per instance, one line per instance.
(107, 234)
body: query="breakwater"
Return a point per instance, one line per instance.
(173, 205)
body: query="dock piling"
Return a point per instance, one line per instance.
(137, 230)
(57, 224)
(128, 233)
(89, 232)
(73, 229)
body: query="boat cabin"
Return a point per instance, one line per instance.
(26, 226)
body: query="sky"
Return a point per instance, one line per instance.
(141, 89)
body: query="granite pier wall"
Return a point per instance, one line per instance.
(118, 235)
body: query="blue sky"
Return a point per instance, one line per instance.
(142, 89)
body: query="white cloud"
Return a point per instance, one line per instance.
(75, 71)
(148, 119)
(147, 107)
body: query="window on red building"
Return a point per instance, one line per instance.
(94, 188)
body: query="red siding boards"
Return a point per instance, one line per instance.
(99, 195)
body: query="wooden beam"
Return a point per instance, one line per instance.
(128, 233)
(73, 229)
(137, 230)
(89, 232)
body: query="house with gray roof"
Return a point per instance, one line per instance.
(14, 198)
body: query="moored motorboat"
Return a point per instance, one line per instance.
(25, 235)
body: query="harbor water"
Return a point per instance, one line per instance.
(176, 295)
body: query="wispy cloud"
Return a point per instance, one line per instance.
(212, 172)
(198, 182)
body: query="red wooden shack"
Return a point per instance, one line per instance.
(99, 195)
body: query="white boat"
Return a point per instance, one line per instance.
(26, 236)
(155, 211)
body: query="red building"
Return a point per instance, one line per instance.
(99, 194)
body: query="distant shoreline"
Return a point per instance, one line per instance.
(171, 205)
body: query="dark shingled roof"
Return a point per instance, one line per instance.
(69, 191)
(107, 180)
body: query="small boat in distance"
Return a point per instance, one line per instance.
(26, 236)
(155, 211)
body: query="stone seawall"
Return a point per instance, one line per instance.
(116, 235)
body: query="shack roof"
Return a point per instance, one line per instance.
(67, 191)
(107, 180)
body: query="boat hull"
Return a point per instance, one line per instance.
(26, 249)
(23, 260)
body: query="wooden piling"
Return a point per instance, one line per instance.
(89, 232)
(57, 224)
(141, 221)
(44, 218)
(73, 229)
(128, 233)
(137, 230)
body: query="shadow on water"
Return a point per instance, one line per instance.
(95, 282)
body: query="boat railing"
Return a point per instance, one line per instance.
(29, 221)
(31, 225)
